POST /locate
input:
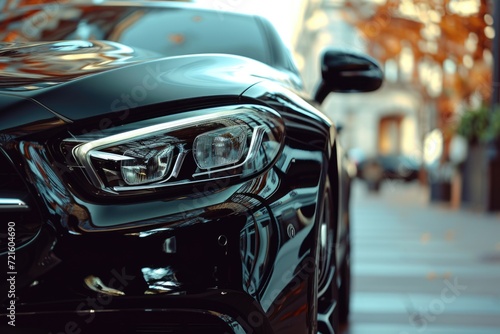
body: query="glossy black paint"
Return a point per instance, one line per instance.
(160, 81)
(213, 256)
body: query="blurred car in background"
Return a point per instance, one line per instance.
(374, 170)
(171, 176)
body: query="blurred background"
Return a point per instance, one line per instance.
(426, 198)
(425, 222)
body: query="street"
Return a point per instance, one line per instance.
(421, 267)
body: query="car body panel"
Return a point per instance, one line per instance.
(28, 115)
(32, 66)
(161, 80)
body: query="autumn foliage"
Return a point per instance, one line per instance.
(452, 36)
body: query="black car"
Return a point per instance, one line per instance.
(376, 169)
(163, 171)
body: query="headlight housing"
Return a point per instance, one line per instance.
(227, 142)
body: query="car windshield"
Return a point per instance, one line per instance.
(169, 30)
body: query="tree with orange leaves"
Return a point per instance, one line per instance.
(452, 36)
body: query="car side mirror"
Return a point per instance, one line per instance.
(347, 72)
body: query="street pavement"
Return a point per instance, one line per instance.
(421, 267)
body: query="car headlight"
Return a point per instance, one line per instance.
(227, 142)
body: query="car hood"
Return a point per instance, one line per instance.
(75, 92)
(29, 66)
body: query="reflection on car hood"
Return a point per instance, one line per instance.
(26, 66)
(128, 88)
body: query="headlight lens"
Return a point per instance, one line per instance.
(146, 163)
(220, 147)
(227, 142)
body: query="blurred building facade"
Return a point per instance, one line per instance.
(385, 122)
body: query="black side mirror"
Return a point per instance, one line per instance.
(347, 72)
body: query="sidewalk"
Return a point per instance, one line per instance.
(420, 267)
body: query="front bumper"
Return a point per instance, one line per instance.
(216, 311)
